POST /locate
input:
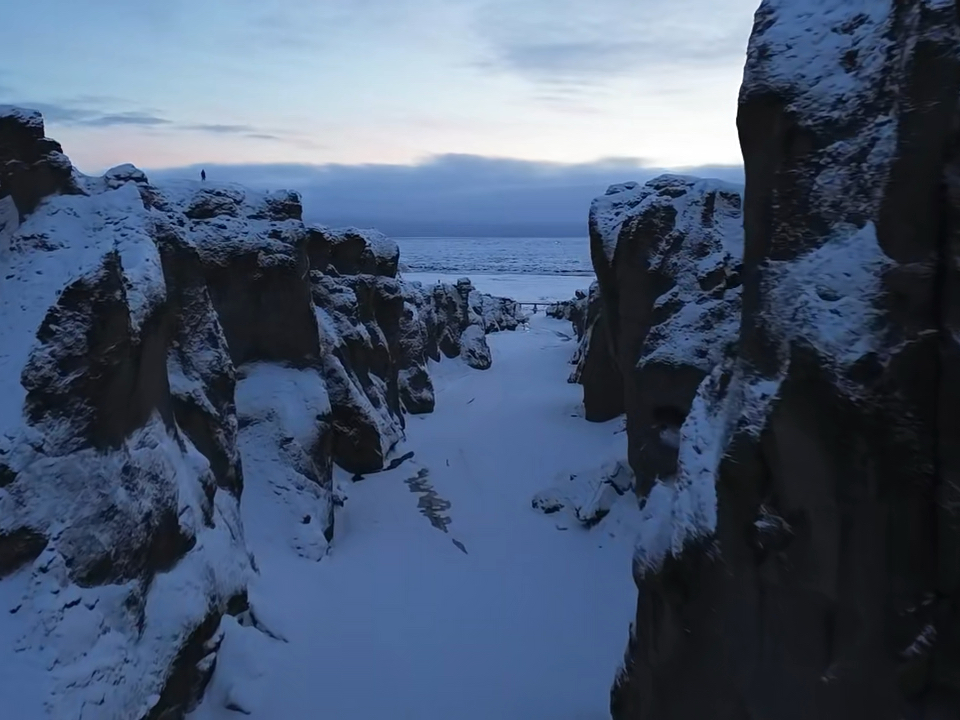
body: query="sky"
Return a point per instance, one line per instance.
(382, 84)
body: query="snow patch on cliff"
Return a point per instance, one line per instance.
(829, 297)
(823, 67)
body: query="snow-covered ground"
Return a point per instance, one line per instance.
(445, 595)
(525, 287)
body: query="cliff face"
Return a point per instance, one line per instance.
(162, 349)
(802, 559)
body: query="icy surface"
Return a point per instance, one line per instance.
(507, 614)
(496, 256)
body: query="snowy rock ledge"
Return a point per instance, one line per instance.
(804, 561)
(163, 348)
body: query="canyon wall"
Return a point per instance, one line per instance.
(163, 347)
(797, 454)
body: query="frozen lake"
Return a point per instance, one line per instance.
(525, 269)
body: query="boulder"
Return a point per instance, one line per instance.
(32, 166)
(351, 251)
(595, 369)
(474, 349)
(667, 255)
(360, 370)
(804, 561)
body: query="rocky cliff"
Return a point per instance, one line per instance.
(162, 348)
(799, 555)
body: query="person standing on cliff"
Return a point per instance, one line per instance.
(203, 175)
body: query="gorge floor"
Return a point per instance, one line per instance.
(502, 612)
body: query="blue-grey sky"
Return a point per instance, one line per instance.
(171, 83)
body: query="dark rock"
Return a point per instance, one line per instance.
(110, 378)
(360, 367)
(19, 547)
(663, 252)
(260, 287)
(834, 425)
(31, 166)
(207, 204)
(191, 671)
(474, 349)
(596, 370)
(352, 251)
(279, 206)
(105, 501)
(201, 374)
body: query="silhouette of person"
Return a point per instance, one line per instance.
(203, 174)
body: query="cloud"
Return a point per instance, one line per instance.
(575, 44)
(449, 194)
(219, 129)
(262, 136)
(124, 118)
(82, 112)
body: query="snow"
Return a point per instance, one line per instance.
(621, 203)
(829, 297)
(522, 288)
(799, 52)
(509, 614)
(384, 249)
(608, 212)
(282, 412)
(85, 652)
(55, 246)
(25, 116)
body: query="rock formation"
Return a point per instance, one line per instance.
(594, 366)
(800, 552)
(165, 348)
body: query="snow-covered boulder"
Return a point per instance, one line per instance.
(352, 251)
(32, 166)
(667, 255)
(588, 495)
(474, 349)
(804, 560)
(360, 367)
(437, 321)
